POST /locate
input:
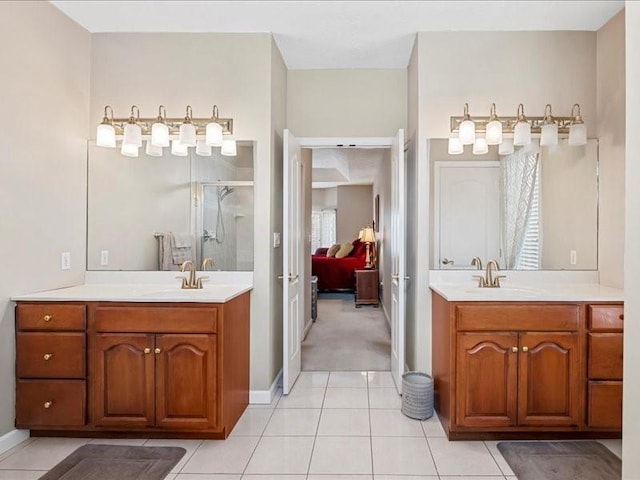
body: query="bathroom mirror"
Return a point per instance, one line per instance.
(152, 213)
(536, 209)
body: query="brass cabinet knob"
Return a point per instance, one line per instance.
(514, 349)
(157, 350)
(525, 349)
(47, 318)
(621, 316)
(47, 356)
(48, 404)
(147, 350)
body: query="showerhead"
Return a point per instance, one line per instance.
(227, 190)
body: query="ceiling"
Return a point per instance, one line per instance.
(336, 34)
(363, 166)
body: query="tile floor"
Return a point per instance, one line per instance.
(338, 426)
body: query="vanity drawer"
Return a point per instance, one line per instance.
(605, 405)
(50, 355)
(606, 317)
(528, 317)
(605, 356)
(42, 403)
(148, 319)
(50, 316)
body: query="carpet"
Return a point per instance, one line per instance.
(561, 460)
(346, 338)
(109, 462)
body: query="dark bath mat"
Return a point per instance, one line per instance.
(109, 462)
(561, 460)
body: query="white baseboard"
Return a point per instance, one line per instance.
(307, 328)
(265, 396)
(12, 438)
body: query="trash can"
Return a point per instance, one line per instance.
(417, 395)
(314, 298)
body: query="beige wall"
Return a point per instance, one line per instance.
(611, 132)
(324, 197)
(631, 410)
(306, 233)
(176, 69)
(44, 78)
(346, 103)
(355, 211)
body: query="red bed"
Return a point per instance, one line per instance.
(338, 273)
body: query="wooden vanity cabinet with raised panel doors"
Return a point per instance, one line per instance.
(158, 370)
(510, 369)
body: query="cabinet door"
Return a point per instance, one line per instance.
(486, 379)
(122, 380)
(549, 392)
(186, 394)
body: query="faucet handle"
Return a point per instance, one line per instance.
(207, 261)
(481, 281)
(185, 283)
(199, 281)
(496, 280)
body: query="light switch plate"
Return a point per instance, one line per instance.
(276, 239)
(65, 261)
(573, 257)
(104, 258)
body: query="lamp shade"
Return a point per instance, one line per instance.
(132, 135)
(129, 150)
(467, 132)
(178, 149)
(494, 132)
(214, 134)
(229, 148)
(368, 235)
(153, 150)
(106, 135)
(522, 133)
(480, 146)
(506, 147)
(455, 147)
(549, 135)
(578, 134)
(203, 149)
(188, 134)
(160, 135)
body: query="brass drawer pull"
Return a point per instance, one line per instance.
(621, 316)
(48, 404)
(525, 349)
(147, 351)
(47, 356)
(47, 318)
(514, 349)
(157, 350)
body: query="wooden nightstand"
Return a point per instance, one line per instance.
(366, 287)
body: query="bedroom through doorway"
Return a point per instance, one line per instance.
(347, 195)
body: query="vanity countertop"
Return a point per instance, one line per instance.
(538, 292)
(135, 292)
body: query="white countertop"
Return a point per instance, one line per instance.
(146, 287)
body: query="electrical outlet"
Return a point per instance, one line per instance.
(65, 261)
(276, 239)
(104, 258)
(573, 257)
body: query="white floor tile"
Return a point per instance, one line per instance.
(312, 380)
(402, 456)
(380, 379)
(302, 398)
(293, 421)
(340, 477)
(346, 398)
(341, 455)
(19, 446)
(133, 442)
(189, 445)
(42, 453)
(613, 444)
(392, 423)
(497, 456)
(195, 476)
(470, 477)
(252, 422)
(384, 398)
(432, 427)
(348, 379)
(344, 422)
(21, 474)
(281, 455)
(462, 458)
(222, 456)
(274, 477)
(405, 477)
(171, 476)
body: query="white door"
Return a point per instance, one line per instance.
(292, 262)
(468, 206)
(398, 258)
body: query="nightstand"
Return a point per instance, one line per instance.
(367, 287)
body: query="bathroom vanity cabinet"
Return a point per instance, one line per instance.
(132, 369)
(519, 369)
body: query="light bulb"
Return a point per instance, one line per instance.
(522, 134)
(178, 149)
(494, 132)
(203, 149)
(153, 150)
(214, 134)
(132, 135)
(229, 148)
(467, 133)
(577, 134)
(480, 146)
(188, 134)
(106, 135)
(549, 135)
(455, 147)
(160, 134)
(129, 150)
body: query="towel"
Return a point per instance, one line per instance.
(165, 259)
(182, 240)
(180, 254)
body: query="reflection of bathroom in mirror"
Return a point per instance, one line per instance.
(152, 213)
(536, 209)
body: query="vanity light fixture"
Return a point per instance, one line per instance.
(467, 129)
(480, 146)
(522, 129)
(549, 130)
(494, 128)
(455, 146)
(506, 147)
(203, 149)
(577, 129)
(159, 130)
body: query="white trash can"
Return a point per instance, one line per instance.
(417, 395)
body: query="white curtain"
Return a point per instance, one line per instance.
(518, 174)
(323, 228)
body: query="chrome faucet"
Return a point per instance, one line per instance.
(476, 262)
(489, 280)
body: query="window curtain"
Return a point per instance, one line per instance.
(518, 175)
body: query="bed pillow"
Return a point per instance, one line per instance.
(333, 249)
(345, 250)
(359, 249)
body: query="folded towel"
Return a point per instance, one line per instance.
(180, 254)
(165, 259)
(182, 240)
